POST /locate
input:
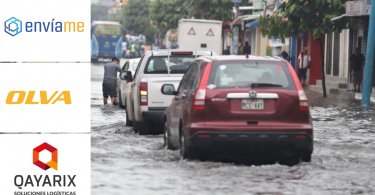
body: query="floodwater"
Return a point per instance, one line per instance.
(343, 161)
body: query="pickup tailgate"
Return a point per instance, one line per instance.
(155, 97)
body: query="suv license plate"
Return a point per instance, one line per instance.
(252, 104)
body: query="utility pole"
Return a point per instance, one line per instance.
(367, 82)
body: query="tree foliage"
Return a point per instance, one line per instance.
(166, 13)
(294, 17)
(135, 17)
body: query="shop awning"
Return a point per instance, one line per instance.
(346, 15)
(237, 21)
(253, 24)
(339, 17)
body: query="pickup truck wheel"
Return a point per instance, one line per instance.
(120, 100)
(142, 128)
(128, 123)
(167, 142)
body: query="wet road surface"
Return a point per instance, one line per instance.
(343, 161)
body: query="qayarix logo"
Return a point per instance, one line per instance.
(13, 26)
(50, 164)
(44, 180)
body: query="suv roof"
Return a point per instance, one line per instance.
(233, 57)
(166, 52)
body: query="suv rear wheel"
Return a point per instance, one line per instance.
(290, 157)
(142, 128)
(185, 149)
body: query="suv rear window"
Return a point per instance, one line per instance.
(177, 64)
(245, 74)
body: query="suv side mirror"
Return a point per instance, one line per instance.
(126, 75)
(168, 89)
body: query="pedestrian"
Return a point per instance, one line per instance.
(304, 61)
(227, 51)
(240, 47)
(247, 49)
(110, 80)
(133, 50)
(356, 69)
(124, 46)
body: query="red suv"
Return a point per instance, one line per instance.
(227, 105)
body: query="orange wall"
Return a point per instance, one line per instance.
(315, 68)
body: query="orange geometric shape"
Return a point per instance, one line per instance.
(40, 164)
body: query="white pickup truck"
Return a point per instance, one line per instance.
(145, 103)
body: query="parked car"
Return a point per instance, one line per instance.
(123, 85)
(147, 104)
(234, 106)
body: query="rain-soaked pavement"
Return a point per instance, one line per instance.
(343, 161)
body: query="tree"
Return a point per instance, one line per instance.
(135, 16)
(166, 13)
(295, 17)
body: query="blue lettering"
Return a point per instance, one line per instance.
(44, 25)
(52, 24)
(29, 25)
(58, 26)
(40, 26)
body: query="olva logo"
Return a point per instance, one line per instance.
(13, 26)
(45, 166)
(18, 97)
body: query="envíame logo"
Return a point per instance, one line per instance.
(50, 164)
(64, 96)
(13, 26)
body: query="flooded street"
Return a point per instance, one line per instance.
(343, 161)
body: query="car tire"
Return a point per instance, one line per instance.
(141, 128)
(305, 156)
(167, 142)
(290, 158)
(128, 123)
(121, 105)
(185, 150)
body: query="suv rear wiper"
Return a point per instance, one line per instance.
(255, 85)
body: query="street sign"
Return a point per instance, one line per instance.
(356, 8)
(191, 31)
(237, 1)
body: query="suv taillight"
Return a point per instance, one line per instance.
(303, 101)
(143, 93)
(199, 100)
